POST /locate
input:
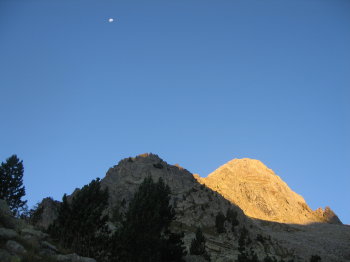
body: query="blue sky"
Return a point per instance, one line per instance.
(197, 82)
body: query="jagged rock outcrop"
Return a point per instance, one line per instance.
(328, 215)
(261, 194)
(46, 213)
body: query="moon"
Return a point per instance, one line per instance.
(110, 20)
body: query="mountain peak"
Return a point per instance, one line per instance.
(123, 179)
(145, 157)
(249, 164)
(261, 194)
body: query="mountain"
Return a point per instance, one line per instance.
(123, 179)
(261, 194)
(195, 204)
(247, 188)
(258, 196)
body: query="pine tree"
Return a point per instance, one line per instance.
(243, 256)
(220, 222)
(198, 245)
(145, 235)
(172, 248)
(62, 227)
(11, 184)
(231, 217)
(81, 224)
(269, 259)
(315, 258)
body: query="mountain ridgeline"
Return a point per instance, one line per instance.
(241, 212)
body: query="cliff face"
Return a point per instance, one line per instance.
(261, 194)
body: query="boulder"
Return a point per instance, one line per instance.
(6, 233)
(47, 253)
(15, 248)
(29, 231)
(73, 258)
(5, 256)
(6, 217)
(193, 258)
(32, 241)
(47, 245)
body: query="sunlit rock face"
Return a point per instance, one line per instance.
(261, 194)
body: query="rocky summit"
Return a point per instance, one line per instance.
(261, 194)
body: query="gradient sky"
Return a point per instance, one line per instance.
(196, 82)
